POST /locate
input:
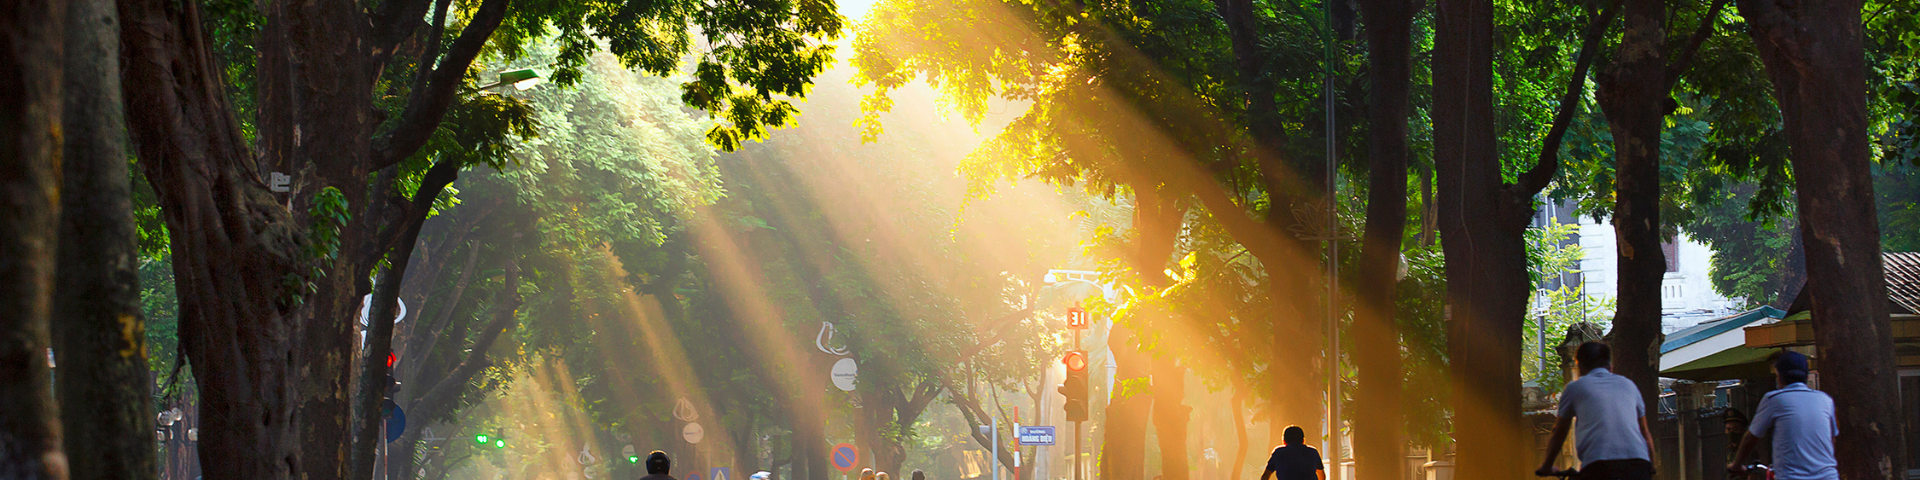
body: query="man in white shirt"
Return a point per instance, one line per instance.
(1800, 422)
(1610, 433)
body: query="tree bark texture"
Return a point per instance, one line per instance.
(1380, 436)
(1124, 450)
(103, 381)
(233, 243)
(1817, 64)
(31, 40)
(1633, 94)
(1481, 227)
(1171, 416)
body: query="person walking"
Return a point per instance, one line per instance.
(1293, 460)
(1799, 420)
(917, 475)
(1610, 433)
(657, 466)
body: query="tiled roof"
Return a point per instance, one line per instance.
(1903, 280)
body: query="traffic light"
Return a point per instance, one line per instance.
(1076, 318)
(495, 441)
(1075, 386)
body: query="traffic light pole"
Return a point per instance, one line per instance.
(1076, 423)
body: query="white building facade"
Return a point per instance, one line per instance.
(1687, 297)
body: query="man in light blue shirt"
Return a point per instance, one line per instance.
(1800, 422)
(1610, 433)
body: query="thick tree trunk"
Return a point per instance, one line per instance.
(1380, 432)
(1170, 416)
(234, 244)
(1481, 225)
(30, 55)
(103, 383)
(1815, 59)
(1633, 93)
(1123, 454)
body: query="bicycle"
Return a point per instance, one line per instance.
(1751, 471)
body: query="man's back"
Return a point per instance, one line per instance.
(657, 476)
(1606, 409)
(1801, 423)
(1295, 462)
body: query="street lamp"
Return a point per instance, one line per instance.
(521, 79)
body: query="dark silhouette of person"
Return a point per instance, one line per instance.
(1295, 461)
(657, 466)
(919, 476)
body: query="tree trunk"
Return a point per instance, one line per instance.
(103, 381)
(30, 55)
(1815, 59)
(234, 244)
(1633, 94)
(1124, 449)
(1171, 415)
(1379, 436)
(1481, 225)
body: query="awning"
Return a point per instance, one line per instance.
(1716, 350)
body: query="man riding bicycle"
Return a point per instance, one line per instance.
(1608, 419)
(1800, 421)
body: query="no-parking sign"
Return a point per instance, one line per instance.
(845, 457)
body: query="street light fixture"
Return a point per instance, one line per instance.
(521, 79)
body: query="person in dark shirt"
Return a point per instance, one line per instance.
(1294, 461)
(657, 466)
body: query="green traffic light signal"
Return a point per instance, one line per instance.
(501, 443)
(480, 439)
(633, 459)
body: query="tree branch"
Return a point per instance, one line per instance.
(427, 107)
(392, 23)
(447, 388)
(1693, 44)
(1538, 177)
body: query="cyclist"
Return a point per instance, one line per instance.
(1799, 420)
(1611, 433)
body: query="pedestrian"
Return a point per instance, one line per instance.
(1294, 460)
(867, 474)
(919, 476)
(882, 476)
(657, 466)
(1611, 435)
(1799, 421)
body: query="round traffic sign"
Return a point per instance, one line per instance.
(845, 457)
(693, 433)
(844, 372)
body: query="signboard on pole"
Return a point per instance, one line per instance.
(720, 473)
(845, 372)
(845, 457)
(693, 433)
(1036, 436)
(1076, 318)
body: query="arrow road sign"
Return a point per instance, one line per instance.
(1036, 436)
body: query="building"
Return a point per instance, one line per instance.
(1687, 296)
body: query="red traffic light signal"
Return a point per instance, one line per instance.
(1076, 318)
(1075, 360)
(390, 359)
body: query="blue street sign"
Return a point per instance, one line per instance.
(719, 473)
(1036, 436)
(693, 476)
(396, 425)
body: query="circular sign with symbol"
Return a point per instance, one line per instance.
(693, 433)
(845, 457)
(844, 372)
